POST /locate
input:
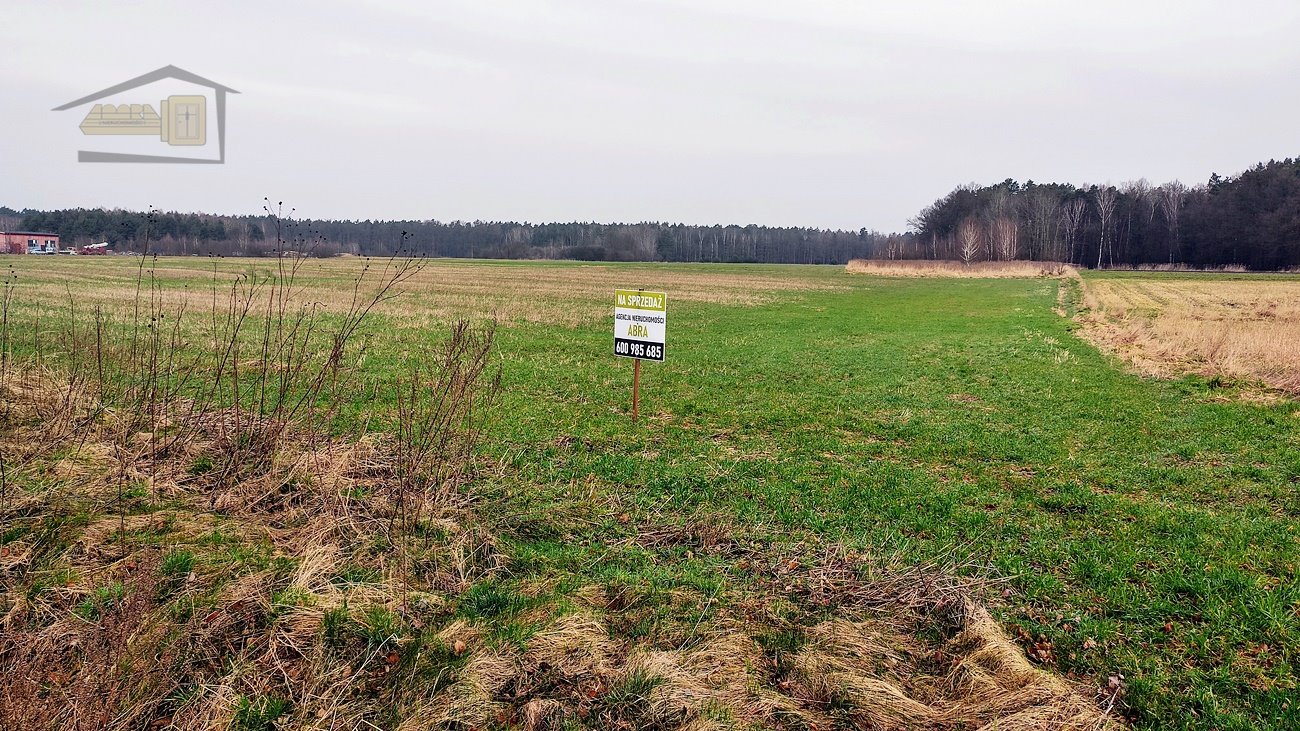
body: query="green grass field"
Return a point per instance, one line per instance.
(931, 416)
(1141, 527)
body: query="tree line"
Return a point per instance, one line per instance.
(204, 234)
(1252, 220)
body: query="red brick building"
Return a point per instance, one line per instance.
(28, 242)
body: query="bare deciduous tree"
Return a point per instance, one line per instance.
(1042, 219)
(969, 236)
(1005, 232)
(1072, 213)
(1171, 202)
(1003, 227)
(1139, 194)
(1104, 198)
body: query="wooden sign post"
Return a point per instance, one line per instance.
(636, 389)
(640, 323)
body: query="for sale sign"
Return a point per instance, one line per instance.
(640, 321)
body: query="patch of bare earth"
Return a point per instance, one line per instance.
(1240, 329)
(959, 270)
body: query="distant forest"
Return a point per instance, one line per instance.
(204, 234)
(1252, 219)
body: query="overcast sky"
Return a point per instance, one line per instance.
(832, 114)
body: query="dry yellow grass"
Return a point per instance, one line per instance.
(1247, 329)
(976, 270)
(880, 670)
(444, 290)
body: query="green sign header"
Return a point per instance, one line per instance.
(633, 299)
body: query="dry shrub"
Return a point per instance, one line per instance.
(261, 635)
(1239, 329)
(956, 269)
(43, 404)
(116, 643)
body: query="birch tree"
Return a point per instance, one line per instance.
(970, 238)
(1003, 228)
(1005, 233)
(1104, 198)
(1072, 212)
(1139, 194)
(1041, 209)
(1171, 203)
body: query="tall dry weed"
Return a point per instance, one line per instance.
(226, 418)
(957, 269)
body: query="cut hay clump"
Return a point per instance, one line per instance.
(979, 679)
(932, 659)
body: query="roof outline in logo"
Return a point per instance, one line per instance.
(166, 72)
